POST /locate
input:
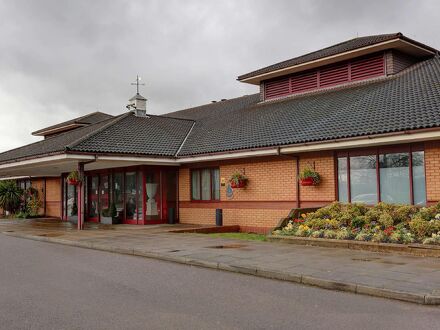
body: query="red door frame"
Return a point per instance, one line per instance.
(161, 170)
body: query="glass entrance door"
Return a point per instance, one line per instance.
(93, 198)
(153, 197)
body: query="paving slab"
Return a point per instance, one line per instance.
(408, 278)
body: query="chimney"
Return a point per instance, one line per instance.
(139, 104)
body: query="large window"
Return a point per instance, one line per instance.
(205, 184)
(388, 175)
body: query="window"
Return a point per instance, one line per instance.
(205, 184)
(388, 175)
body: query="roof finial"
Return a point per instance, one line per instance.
(137, 83)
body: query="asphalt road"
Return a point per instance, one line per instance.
(49, 286)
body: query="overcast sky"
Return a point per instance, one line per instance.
(62, 59)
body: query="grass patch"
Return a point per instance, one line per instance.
(243, 236)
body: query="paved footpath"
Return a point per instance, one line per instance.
(408, 278)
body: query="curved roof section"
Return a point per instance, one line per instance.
(410, 100)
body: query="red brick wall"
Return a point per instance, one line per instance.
(432, 170)
(269, 196)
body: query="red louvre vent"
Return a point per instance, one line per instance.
(332, 75)
(367, 68)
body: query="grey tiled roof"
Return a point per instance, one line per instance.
(91, 118)
(329, 51)
(407, 101)
(53, 144)
(152, 135)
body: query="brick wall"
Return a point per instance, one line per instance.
(53, 197)
(325, 192)
(269, 196)
(432, 168)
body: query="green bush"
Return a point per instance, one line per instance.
(10, 196)
(358, 221)
(386, 220)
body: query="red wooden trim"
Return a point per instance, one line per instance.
(272, 205)
(411, 177)
(379, 197)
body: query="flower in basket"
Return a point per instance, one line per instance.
(309, 177)
(73, 178)
(238, 180)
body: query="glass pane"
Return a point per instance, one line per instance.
(394, 178)
(195, 185)
(104, 193)
(93, 197)
(342, 180)
(418, 172)
(170, 194)
(152, 187)
(72, 206)
(216, 184)
(130, 195)
(206, 184)
(140, 214)
(118, 198)
(363, 179)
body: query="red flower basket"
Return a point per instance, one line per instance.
(73, 182)
(239, 184)
(307, 182)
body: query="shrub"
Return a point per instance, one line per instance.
(379, 237)
(422, 228)
(343, 234)
(386, 220)
(317, 233)
(434, 239)
(10, 196)
(22, 215)
(358, 221)
(329, 234)
(363, 236)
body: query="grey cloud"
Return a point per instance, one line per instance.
(61, 59)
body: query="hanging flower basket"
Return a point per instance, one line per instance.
(309, 177)
(238, 180)
(73, 178)
(307, 182)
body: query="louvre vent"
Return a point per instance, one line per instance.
(336, 74)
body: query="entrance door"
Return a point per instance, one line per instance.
(104, 196)
(93, 199)
(153, 197)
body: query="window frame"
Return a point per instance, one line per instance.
(200, 169)
(408, 148)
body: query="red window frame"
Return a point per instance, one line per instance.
(199, 170)
(407, 148)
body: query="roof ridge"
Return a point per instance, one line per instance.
(73, 121)
(99, 130)
(386, 35)
(163, 116)
(212, 104)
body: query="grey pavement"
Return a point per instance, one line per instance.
(410, 278)
(49, 286)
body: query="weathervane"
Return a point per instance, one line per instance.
(137, 83)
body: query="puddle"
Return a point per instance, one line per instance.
(50, 235)
(392, 262)
(228, 246)
(365, 259)
(172, 251)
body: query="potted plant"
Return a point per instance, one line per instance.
(11, 196)
(309, 177)
(108, 215)
(73, 178)
(238, 180)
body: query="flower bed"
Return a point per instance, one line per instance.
(383, 223)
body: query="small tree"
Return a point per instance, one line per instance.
(10, 196)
